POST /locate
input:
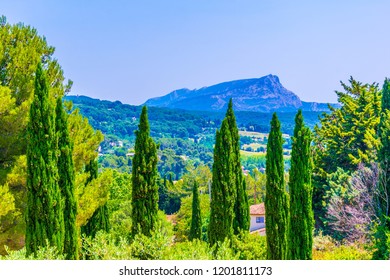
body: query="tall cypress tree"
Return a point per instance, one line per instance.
(196, 221)
(100, 218)
(276, 200)
(241, 205)
(383, 198)
(300, 241)
(144, 179)
(44, 215)
(66, 182)
(223, 191)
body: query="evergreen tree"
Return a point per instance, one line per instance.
(301, 213)
(223, 190)
(144, 179)
(44, 217)
(66, 182)
(383, 198)
(241, 206)
(345, 137)
(100, 218)
(276, 200)
(196, 221)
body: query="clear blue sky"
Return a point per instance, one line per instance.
(134, 50)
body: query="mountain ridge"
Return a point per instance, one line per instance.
(265, 94)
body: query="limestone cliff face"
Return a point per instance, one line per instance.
(264, 94)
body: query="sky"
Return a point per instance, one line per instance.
(138, 49)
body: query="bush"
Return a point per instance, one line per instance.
(104, 247)
(326, 248)
(250, 246)
(188, 250)
(43, 253)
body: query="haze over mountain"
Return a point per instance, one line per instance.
(265, 94)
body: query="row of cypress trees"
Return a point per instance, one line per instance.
(229, 201)
(52, 209)
(289, 216)
(229, 211)
(51, 204)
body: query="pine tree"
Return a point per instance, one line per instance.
(241, 206)
(300, 240)
(144, 179)
(276, 200)
(196, 221)
(44, 217)
(100, 218)
(383, 198)
(223, 191)
(66, 182)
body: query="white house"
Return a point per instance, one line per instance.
(257, 213)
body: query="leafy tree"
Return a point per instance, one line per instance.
(144, 179)
(300, 237)
(66, 182)
(184, 217)
(196, 221)
(44, 217)
(21, 49)
(119, 205)
(100, 218)
(7, 200)
(168, 196)
(344, 138)
(86, 140)
(383, 196)
(276, 199)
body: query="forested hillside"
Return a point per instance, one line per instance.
(185, 137)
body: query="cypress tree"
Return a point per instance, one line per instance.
(196, 221)
(144, 179)
(276, 201)
(301, 193)
(383, 198)
(66, 182)
(100, 218)
(241, 205)
(223, 191)
(44, 214)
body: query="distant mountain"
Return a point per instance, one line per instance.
(264, 94)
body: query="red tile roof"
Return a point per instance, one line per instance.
(257, 209)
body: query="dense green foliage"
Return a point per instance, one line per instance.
(241, 207)
(21, 50)
(100, 218)
(276, 198)
(50, 185)
(223, 190)
(66, 182)
(144, 179)
(196, 220)
(186, 138)
(345, 137)
(383, 197)
(44, 218)
(300, 235)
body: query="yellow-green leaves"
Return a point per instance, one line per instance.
(6, 200)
